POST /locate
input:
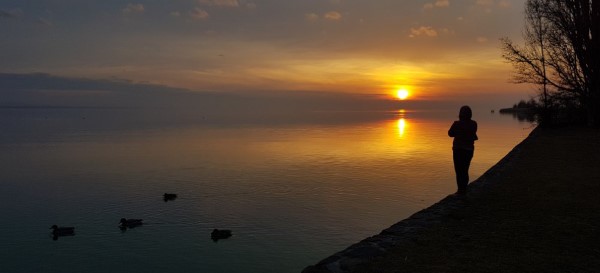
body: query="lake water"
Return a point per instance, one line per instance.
(293, 191)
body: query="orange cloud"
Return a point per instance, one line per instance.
(311, 17)
(423, 31)
(333, 15)
(437, 4)
(133, 8)
(220, 3)
(504, 4)
(485, 3)
(199, 14)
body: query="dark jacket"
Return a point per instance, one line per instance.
(464, 132)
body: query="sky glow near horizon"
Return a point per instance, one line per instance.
(437, 49)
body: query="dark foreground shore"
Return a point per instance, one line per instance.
(537, 210)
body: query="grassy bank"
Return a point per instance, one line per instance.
(539, 213)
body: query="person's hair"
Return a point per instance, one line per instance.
(465, 113)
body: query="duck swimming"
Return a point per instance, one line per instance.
(169, 196)
(62, 231)
(218, 234)
(130, 223)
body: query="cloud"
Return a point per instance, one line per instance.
(504, 4)
(46, 90)
(199, 14)
(423, 31)
(333, 15)
(437, 4)
(133, 8)
(484, 3)
(13, 13)
(44, 81)
(442, 3)
(482, 40)
(311, 17)
(246, 47)
(220, 3)
(44, 22)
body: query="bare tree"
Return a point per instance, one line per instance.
(560, 53)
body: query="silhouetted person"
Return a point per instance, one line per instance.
(464, 132)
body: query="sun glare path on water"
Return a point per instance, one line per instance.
(401, 127)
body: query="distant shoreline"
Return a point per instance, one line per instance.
(517, 110)
(57, 107)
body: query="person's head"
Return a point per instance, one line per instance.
(465, 113)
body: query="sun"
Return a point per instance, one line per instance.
(402, 93)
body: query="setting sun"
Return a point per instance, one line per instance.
(402, 94)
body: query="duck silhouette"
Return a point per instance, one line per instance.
(169, 197)
(129, 223)
(61, 231)
(218, 234)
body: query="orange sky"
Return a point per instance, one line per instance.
(435, 48)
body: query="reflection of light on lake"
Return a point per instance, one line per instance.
(402, 113)
(401, 122)
(401, 126)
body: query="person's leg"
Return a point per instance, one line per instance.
(458, 168)
(467, 156)
(462, 160)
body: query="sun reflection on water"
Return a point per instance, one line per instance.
(401, 127)
(401, 122)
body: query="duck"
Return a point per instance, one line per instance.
(130, 223)
(218, 234)
(62, 231)
(169, 196)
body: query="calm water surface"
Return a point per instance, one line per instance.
(292, 193)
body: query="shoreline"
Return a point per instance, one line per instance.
(536, 210)
(411, 228)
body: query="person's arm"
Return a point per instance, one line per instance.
(452, 131)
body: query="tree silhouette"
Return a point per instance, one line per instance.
(561, 55)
